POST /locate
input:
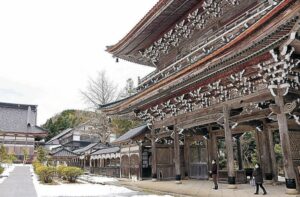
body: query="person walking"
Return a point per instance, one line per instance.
(214, 173)
(258, 177)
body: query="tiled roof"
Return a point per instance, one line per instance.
(19, 118)
(64, 132)
(106, 150)
(132, 133)
(63, 152)
(17, 106)
(88, 147)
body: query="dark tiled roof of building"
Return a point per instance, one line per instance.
(32, 130)
(132, 133)
(114, 102)
(63, 152)
(61, 134)
(106, 150)
(97, 145)
(18, 106)
(19, 118)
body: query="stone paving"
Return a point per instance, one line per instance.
(204, 188)
(18, 184)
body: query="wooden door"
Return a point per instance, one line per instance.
(198, 160)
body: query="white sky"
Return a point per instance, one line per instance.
(49, 49)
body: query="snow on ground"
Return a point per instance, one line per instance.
(97, 179)
(8, 168)
(85, 189)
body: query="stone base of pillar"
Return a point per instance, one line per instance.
(231, 186)
(178, 179)
(290, 183)
(268, 182)
(231, 182)
(291, 191)
(154, 177)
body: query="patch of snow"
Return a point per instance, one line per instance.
(281, 179)
(8, 168)
(84, 189)
(97, 179)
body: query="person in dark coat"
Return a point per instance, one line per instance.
(258, 177)
(214, 173)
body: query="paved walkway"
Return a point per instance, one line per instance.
(204, 188)
(18, 184)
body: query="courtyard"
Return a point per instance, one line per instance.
(20, 180)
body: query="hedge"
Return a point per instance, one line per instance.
(35, 165)
(60, 172)
(46, 173)
(1, 169)
(72, 173)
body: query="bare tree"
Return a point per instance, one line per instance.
(128, 90)
(100, 126)
(100, 90)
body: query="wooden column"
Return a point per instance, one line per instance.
(186, 155)
(239, 152)
(129, 156)
(177, 156)
(266, 153)
(154, 156)
(214, 147)
(229, 148)
(209, 149)
(290, 175)
(259, 151)
(272, 154)
(140, 176)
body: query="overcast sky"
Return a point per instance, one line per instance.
(49, 49)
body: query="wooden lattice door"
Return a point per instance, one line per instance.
(198, 160)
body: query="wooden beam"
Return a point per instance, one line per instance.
(209, 115)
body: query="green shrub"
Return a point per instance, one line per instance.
(60, 172)
(45, 173)
(72, 173)
(35, 165)
(1, 169)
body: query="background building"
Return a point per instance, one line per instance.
(18, 129)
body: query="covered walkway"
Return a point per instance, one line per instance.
(18, 184)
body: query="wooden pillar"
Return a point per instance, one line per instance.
(214, 147)
(209, 150)
(129, 156)
(140, 175)
(266, 158)
(272, 154)
(239, 152)
(154, 156)
(186, 155)
(177, 156)
(258, 145)
(120, 164)
(288, 165)
(229, 148)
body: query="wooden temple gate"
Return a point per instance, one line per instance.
(222, 70)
